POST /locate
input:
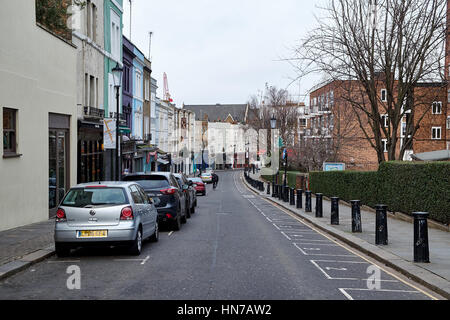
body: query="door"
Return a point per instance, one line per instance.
(58, 168)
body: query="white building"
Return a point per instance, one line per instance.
(38, 113)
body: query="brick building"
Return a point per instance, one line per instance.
(332, 121)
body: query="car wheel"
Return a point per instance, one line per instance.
(188, 214)
(62, 250)
(155, 236)
(136, 247)
(177, 223)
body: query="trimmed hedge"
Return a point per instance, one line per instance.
(292, 178)
(417, 187)
(403, 186)
(347, 185)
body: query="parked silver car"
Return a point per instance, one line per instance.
(108, 213)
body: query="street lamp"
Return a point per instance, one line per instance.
(117, 76)
(273, 125)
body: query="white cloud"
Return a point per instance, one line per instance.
(219, 51)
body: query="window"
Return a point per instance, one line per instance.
(303, 122)
(437, 107)
(136, 195)
(115, 35)
(138, 85)
(147, 90)
(384, 95)
(384, 144)
(385, 120)
(436, 133)
(9, 131)
(448, 123)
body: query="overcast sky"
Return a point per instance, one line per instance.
(217, 51)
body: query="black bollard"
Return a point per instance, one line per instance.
(421, 246)
(381, 232)
(335, 211)
(356, 216)
(299, 199)
(268, 188)
(286, 194)
(319, 205)
(280, 192)
(274, 191)
(292, 197)
(308, 206)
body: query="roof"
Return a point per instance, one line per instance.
(440, 155)
(219, 112)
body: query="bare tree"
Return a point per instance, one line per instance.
(388, 47)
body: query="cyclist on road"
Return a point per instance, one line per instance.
(215, 179)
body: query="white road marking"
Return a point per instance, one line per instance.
(319, 232)
(170, 233)
(284, 234)
(145, 260)
(349, 297)
(322, 254)
(345, 293)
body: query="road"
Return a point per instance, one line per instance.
(237, 246)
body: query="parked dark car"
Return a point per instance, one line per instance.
(170, 199)
(188, 186)
(199, 186)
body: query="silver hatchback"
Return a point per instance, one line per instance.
(108, 213)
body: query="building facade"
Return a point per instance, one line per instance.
(89, 40)
(331, 122)
(39, 128)
(112, 27)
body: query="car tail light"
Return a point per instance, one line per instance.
(168, 215)
(126, 214)
(60, 215)
(169, 191)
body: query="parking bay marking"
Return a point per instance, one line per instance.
(316, 264)
(323, 254)
(341, 245)
(349, 297)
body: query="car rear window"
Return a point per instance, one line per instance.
(196, 180)
(150, 182)
(83, 197)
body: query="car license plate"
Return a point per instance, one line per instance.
(93, 234)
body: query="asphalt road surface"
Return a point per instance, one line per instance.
(237, 246)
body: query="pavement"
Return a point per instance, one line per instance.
(21, 247)
(398, 254)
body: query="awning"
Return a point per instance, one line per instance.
(162, 161)
(441, 155)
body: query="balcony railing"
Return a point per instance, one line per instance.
(93, 113)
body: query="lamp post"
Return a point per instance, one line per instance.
(117, 75)
(273, 125)
(285, 165)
